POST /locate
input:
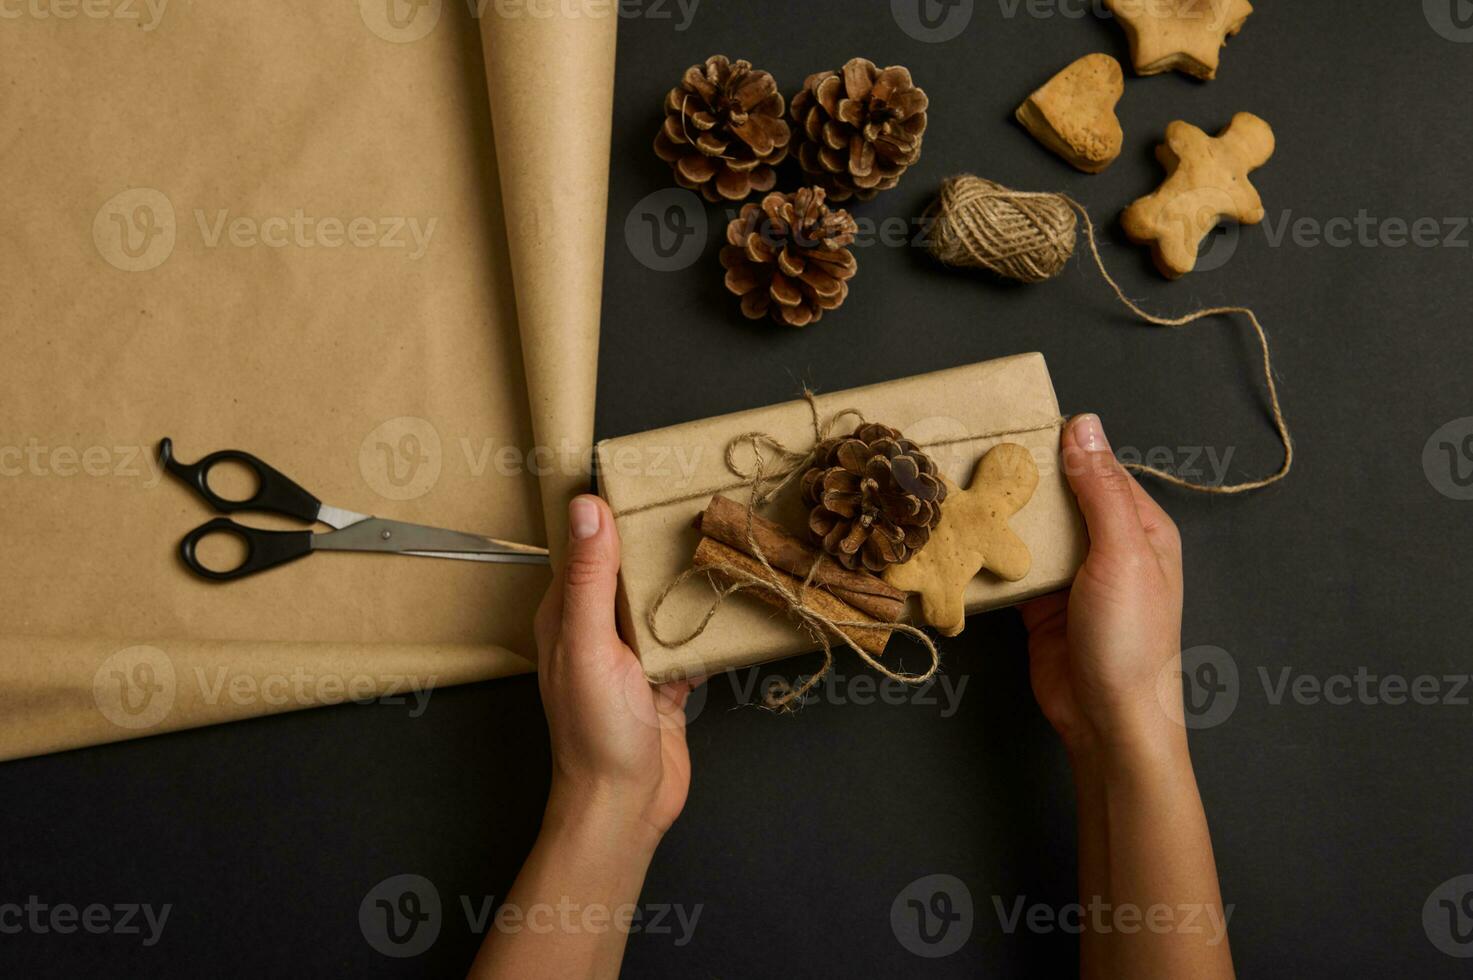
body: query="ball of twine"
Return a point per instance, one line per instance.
(978, 223)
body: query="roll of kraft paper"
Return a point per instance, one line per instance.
(555, 189)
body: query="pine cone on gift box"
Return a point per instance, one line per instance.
(724, 130)
(875, 496)
(790, 258)
(859, 129)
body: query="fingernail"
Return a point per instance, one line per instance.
(582, 518)
(1090, 434)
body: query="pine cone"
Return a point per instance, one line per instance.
(790, 257)
(857, 130)
(724, 130)
(875, 497)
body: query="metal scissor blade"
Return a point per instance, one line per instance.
(508, 558)
(397, 537)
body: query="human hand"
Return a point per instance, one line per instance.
(1097, 650)
(618, 744)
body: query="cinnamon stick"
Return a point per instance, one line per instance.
(712, 555)
(727, 522)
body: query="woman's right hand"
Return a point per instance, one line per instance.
(1096, 651)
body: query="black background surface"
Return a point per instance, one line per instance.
(1332, 823)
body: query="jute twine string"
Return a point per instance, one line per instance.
(762, 487)
(1029, 236)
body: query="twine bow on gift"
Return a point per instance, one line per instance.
(764, 482)
(764, 479)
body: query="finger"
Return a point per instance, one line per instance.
(1037, 612)
(1160, 529)
(1103, 488)
(549, 615)
(674, 694)
(590, 574)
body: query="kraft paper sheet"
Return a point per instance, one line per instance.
(1007, 400)
(551, 83)
(275, 227)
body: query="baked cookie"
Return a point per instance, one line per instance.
(1179, 35)
(973, 535)
(1206, 181)
(1073, 114)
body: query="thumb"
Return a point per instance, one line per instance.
(590, 573)
(1103, 488)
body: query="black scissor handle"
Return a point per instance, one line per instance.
(264, 549)
(275, 492)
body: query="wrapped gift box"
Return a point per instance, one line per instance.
(658, 482)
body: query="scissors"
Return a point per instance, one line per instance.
(276, 494)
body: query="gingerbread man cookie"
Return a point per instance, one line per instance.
(1185, 35)
(1074, 113)
(1206, 181)
(973, 534)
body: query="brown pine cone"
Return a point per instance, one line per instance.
(724, 130)
(790, 257)
(875, 496)
(857, 130)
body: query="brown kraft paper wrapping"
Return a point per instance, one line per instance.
(274, 227)
(550, 74)
(674, 471)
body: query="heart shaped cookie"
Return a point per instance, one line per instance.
(1073, 114)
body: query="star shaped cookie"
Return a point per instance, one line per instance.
(1206, 181)
(973, 534)
(1181, 35)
